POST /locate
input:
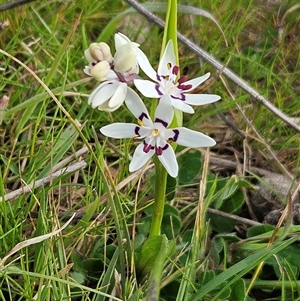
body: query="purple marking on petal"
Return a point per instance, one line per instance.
(142, 116)
(158, 77)
(137, 130)
(176, 135)
(165, 147)
(158, 120)
(182, 97)
(157, 90)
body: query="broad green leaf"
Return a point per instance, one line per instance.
(238, 291)
(257, 230)
(190, 165)
(149, 259)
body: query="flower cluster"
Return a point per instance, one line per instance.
(115, 73)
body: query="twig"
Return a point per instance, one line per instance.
(217, 161)
(64, 171)
(211, 60)
(10, 5)
(234, 217)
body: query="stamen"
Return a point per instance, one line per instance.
(158, 151)
(169, 65)
(147, 147)
(175, 70)
(182, 79)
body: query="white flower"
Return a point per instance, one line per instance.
(166, 83)
(99, 71)
(115, 76)
(155, 135)
(100, 59)
(125, 59)
(110, 95)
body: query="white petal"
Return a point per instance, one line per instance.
(145, 65)
(190, 138)
(139, 158)
(102, 93)
(182, 106)
(104, 107)
(119, 130)
(147, 88)
(135, 104)
(119, 95)
(168, 160)
(112, 76)
(164, 110)
(120, 39)
(196, 81)
(167, 57)
(86, 70)
(201, 99)
(88, 56)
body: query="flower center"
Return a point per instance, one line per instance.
(155, 133)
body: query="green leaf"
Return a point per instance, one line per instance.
(190, 165)
(238, 291)
(236, 271)
(232, 205)
(165, 248)
(171, 188)
(257, 230)
(149, 255)
(109, 274)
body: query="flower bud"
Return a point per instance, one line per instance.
(125, 60)
(100, 70)
(98, 52)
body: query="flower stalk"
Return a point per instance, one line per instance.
(159, 198)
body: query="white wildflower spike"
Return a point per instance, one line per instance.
(114, 73)
(155, 135)
(166, 83)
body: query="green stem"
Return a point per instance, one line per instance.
(159, 198)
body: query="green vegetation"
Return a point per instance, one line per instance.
(222, 237)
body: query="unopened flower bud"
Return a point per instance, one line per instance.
(100, 70)
(125, 60)
(98, 52)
